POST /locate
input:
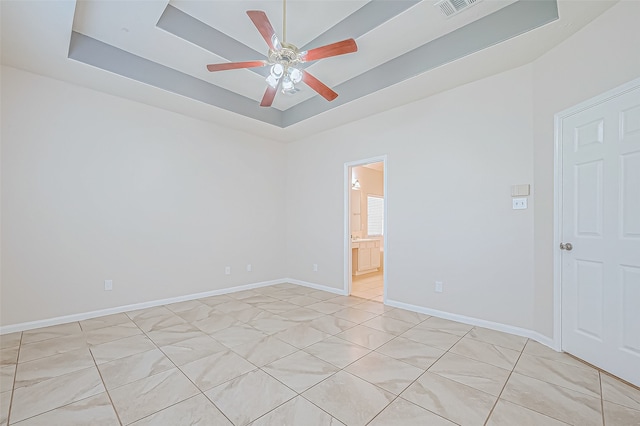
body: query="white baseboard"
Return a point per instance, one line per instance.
(518, 331)
(333, 290)
(116, 310)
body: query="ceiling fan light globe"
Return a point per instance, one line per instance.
(287, 84)
(295, 75)
(272, 81)
(277, 70)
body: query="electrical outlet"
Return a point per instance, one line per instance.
(108, 285)
(315, 267)
(249, 267)
(438, 287)
(519, 203)
(227, 270)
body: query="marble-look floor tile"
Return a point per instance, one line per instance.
(390, 374)
(7, 374)
(325, 307)
(233, 305)
(158, 322)
(618, 415)
(297, 411)
(301, 335)
(105, 321)
(121, 348)
(302, 300)
(347, 301)
(95, 411)
(578, 379)
(187, 305)
(554, 401)
(111, 333)
(264, 392)
(32, 372)
(337, 351)
(271, 324)
(247, 315)
(435, 338)
(542, 351)
(509, 341)
(143, 397)
(264, 351)
(49, 347)
(402, 413)
(174, 334)
(215, 300)
(300, 370)
(237, 335)
(195, 411)
(321, 295)
(452, 400)
(259, 298)
(365, 336)
(406, 316)
(478, 375)
(365, 400)
(278, 307)
(215, 369)
(192, 349)
(5, 400)
(506, 413)
(216, 322)
(331, 325)
(388, 325)
(613, 390)
(9, 356)
(29, 401)
(155, 311)
(354, 315)
(414, 353)
(451, 327)
(301, 315)
(196, 313)
(135, 367)
(373, 307)
(10, 340)
(52, 332)
(486, 352)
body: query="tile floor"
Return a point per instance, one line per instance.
(369, 286)
(290, 355)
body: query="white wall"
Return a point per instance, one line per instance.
(598, 58)
(97, 187)
(451, 161)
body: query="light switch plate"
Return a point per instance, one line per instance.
(519, 203)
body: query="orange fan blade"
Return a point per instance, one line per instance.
(263, 25)
(334, 49)
(269, 95)
(235, 65)
(324, 90)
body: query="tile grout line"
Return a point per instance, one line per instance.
(15, 375)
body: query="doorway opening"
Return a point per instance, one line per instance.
(366, 228)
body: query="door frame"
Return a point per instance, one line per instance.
(347, 221)
(557, 193)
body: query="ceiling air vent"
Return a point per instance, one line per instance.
(451, 7)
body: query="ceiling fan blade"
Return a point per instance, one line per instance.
(235, 65)
(322, 89)
(269, 95)
(334, 49)
(263, 25)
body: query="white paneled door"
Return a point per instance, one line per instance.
(600, 234)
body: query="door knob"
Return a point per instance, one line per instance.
(566, 246)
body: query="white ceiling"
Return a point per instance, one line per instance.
(42, 36)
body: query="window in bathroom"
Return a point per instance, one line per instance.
(375, 215)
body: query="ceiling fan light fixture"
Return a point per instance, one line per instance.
(272, 81)
(295, 75)
(277, 70)
(287, 84)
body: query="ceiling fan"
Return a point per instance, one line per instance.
(284, 59)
